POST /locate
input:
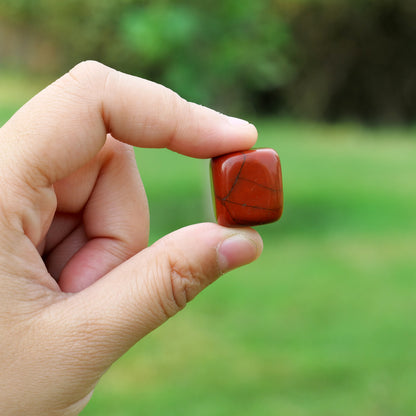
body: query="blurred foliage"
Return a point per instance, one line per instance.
(314, 58)
(217, 54)
(355, 58)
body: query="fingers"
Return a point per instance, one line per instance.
(65, 125)
(78, 337)
(114, 226)
(152, 286)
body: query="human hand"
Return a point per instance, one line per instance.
(78, 284)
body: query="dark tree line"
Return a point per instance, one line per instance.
(324, 59)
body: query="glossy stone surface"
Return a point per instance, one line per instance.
(247, 187)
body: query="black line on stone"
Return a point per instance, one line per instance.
(258, 184)
(236, 179)
(226, 208)
(250, 206)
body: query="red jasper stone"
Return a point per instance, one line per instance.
(247, 187)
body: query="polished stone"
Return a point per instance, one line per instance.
(247, 187)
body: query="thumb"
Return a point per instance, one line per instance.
(142, 293)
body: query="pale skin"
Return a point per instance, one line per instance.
(78, 283)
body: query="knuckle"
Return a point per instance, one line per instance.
(185, 116)
(182, 281)
(92, 79)
(21, 190)
(171, 98)
(179, 110)
(86, 71)
(84, 80)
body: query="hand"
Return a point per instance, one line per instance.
(78, 284)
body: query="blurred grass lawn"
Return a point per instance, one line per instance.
(323, 323)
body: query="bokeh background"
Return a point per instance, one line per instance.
(324, 322)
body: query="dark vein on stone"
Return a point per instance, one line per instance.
(236, 179)
(251, 206)
(258, 184)
(228, 211)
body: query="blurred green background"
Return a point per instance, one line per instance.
(323, 323)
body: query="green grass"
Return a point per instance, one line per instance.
(323, 323)
(15, 89)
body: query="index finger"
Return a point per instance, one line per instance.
(66, 124)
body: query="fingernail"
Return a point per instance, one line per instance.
(237, 122)
(237, 251)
